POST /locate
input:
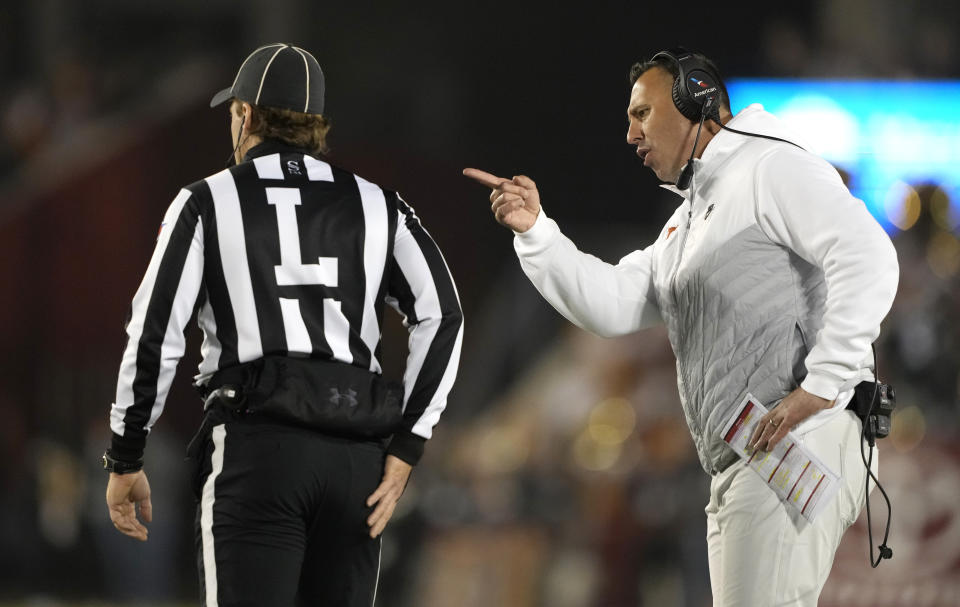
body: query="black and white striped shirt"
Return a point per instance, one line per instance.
(288, 255)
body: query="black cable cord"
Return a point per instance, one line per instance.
(683, 182)
(885, 551)
(770, 137)
(232, 160)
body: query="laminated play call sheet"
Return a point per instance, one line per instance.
(790, 470)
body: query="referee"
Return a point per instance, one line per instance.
(288, 260)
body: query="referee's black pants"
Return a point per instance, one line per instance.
(281, 517)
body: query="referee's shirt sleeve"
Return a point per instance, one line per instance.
(422, 290)
(161, 308)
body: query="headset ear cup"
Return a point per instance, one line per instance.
(681, 98)
(704, 86)
(689, 67)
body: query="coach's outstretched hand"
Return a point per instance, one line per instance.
(515, 202)
(124, 493)
(396, 473)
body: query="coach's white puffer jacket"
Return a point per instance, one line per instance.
(769, 275)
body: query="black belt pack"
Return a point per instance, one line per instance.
(874, 402)
(325, 395)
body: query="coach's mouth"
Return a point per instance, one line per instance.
(642, 154)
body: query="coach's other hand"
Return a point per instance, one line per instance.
(515, 202)
(396, 473)
(124, 493)
(795, 408)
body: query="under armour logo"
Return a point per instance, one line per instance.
(349, 397)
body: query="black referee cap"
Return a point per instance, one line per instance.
(278, 75)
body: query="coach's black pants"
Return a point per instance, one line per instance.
(281, 517)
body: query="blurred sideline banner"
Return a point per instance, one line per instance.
(889, 136)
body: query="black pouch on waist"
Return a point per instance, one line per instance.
(324, 395)
(874, 402)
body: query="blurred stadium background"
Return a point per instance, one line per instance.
(562, 473)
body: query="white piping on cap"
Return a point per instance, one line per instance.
(248, 59)
(265, 70)
(306, 68)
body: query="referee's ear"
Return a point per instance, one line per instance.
(248, 116)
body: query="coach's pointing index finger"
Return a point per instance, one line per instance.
(485, 178)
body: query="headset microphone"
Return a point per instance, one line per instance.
(687, 175)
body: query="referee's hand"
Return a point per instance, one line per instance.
(515, 202)
(396, 472)
(124, 493)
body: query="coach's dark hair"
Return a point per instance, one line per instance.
(304, 131)
(638, 69)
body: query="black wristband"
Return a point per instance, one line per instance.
(407, 446)
(119, 466)
(127, 448)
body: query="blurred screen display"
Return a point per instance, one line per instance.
(890, 137)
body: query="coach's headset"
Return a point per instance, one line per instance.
(694, 86)
(697, 93)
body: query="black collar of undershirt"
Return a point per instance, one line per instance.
(272, 146)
